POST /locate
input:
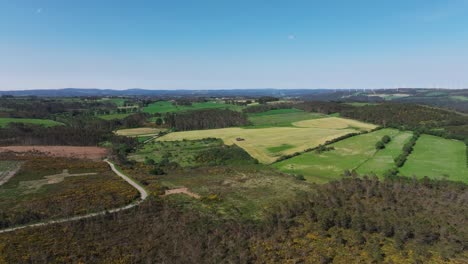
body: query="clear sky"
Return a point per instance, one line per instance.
(198, 44)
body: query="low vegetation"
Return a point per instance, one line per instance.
(37, 192)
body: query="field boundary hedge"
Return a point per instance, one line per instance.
(328, 142)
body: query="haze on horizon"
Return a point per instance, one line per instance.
(233, 44)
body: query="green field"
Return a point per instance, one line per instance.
(116, 101)
(437, 158)
(357, 152)
(385, 159)
(280, 118)
(139, 132)
(4, 121)
(459, 98)
(260, 142)
(182, 152)
(167, 107)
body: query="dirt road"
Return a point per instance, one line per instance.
(143, 196)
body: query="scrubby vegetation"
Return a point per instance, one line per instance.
(352, 220)
(29, 197)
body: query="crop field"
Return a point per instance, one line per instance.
(268, 144)
(280, 118)
(4, 121)
(357, 152)
(183, 152)
(139, 132)
(167, 107)
(50, 187)
(437, 158)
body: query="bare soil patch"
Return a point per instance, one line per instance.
(93, 153)
(182, 190)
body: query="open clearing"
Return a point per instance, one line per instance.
(357, 152)
(139, 132)
(257, 142)
(167, 107)
(246, 192)
(182, 152)
(93, 153)
(4, 121)
(437, 158)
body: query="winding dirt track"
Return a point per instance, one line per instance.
(143, 196)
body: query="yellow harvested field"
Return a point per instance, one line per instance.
(265, 144)
(138, 132)
(336, 123)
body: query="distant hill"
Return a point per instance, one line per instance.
(69, 92)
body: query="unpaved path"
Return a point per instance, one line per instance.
(182, 190)
(143, 196)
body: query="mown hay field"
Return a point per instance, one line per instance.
(267, 144)
(357, 152)
(437, 158)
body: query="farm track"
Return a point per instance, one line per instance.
(141, 190)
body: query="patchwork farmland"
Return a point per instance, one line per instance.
(268, 144)
(357, 153)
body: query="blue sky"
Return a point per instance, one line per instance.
(233, 44)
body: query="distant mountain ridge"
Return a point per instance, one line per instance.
(72, 92)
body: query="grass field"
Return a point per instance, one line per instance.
(280, 118)
(182, 152)
(459, 98)
(385, 159)
(260, 142)
(4, 121)
(139, 132)
(357, 152)
(116, 101)
(167, 107)
(437, 158)
(36, 192)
